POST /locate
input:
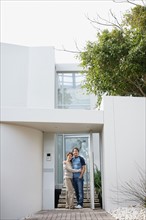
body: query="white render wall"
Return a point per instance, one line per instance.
(14, 75)
(124, 145)
(21, 171)
(41, 78)
(96, 150)
(28, 76)
(49, 172)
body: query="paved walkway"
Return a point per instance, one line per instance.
(66, 214)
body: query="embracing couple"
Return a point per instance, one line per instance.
(74, 168)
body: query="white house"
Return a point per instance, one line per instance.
(44, 113)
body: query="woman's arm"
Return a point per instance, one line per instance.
(68, 168)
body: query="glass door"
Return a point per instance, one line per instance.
(66, 143)
(82, 143)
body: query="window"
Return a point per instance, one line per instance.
(69, 93)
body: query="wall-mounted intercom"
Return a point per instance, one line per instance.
(48, 156)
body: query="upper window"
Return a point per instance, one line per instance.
(69, 93)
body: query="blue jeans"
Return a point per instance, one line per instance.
(78, 186)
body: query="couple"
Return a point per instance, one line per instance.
(74, 168)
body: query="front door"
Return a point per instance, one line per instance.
(66, 143)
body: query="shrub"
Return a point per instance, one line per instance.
(97, 181)
(135, 190)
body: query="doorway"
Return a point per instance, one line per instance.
(64, 144)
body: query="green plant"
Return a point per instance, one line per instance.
(97, 181)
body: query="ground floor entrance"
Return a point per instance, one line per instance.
(84, 142)
(55, 148)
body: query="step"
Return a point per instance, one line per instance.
(86, 205)
(63, 196)
(85, 195)
(84, 187)
(85, 191)
(85, 200)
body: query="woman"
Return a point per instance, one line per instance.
(68, 180)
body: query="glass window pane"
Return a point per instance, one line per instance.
(70, 95)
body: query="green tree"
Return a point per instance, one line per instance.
(115, 64)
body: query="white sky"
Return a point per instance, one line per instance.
(54, 23)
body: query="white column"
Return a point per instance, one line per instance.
(91, 171)
(49, 171)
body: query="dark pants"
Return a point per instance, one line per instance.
(78, 186)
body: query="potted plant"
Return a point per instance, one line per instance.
(97, 184)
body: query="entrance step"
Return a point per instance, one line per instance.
(86, 196)
(86, 205)
(62, 198)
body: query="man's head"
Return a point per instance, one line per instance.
(75, 152)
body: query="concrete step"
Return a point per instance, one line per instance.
(64, 187)
(83, 187)
(63, 196)
(85, 190)
(86, 205)
(85, 200)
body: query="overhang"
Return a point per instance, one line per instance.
(55, 120)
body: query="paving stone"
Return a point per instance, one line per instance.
(72, 214)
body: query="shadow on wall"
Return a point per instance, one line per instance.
(57, 194)
(97, 183)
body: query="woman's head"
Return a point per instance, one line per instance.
(69, 155)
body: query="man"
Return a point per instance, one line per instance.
(78, 162)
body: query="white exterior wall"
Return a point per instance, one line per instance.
(41, 79)
(21, 171)
(28, 76)
(49, 172)
(124, 145)
(14, 75)
(96, 149)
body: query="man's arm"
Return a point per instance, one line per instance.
(82, 171)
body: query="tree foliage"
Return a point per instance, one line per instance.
(115, 64)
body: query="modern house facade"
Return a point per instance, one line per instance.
(44, 114)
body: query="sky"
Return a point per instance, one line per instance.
(61, 24)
